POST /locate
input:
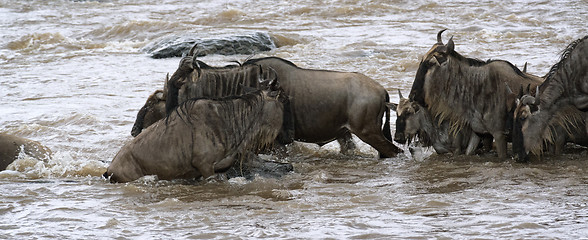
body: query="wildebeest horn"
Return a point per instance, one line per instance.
(400, 94)
(450, 45)
(192, 50)
(439, 41)
(525, 68)
(165, 85)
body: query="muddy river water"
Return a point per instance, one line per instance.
(73, 75)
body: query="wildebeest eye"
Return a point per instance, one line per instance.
(441, 58)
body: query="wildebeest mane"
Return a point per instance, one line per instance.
(254, 61)
(241, 115)
(466, 81)
(213, 81)
(417, 91)
(257, 60)
(560, 83)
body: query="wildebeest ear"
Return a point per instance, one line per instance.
(450, 45)
(392, 106)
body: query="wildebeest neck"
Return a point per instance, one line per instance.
(240, 115)
(417, 91)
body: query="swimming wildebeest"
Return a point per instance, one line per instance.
(11, 146)
(414, 120)
(566, 86)
(324, 105)
(329, 105)
(201, 137)
(196, 79)
(467, 93)
(567, 125)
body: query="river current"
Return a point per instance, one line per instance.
(73, 75)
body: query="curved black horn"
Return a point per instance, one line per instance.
(450, 45)
(400, 94)
(192, 49)
(165, 85)
(439, 41)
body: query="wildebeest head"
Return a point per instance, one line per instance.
(151, 112)
(525, 106)
(438, 53)
(181, 76)
(274, 89)
(436, 56)
(407, 119)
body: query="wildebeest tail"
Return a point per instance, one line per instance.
(386, 130)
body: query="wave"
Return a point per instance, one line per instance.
(60, 165)
(132, 31)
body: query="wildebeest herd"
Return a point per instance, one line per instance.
(208, 120)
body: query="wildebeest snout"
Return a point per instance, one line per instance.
(399, 138)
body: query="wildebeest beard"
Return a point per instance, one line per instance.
(241, 114)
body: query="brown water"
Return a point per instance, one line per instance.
(73, 77)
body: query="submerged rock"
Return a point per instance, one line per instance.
(178, 46)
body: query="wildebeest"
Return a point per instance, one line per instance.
(566, 86)
(467, 92)
(325, 105)
(414, 120)
(329, 105)
(201, 137)
(11, 146)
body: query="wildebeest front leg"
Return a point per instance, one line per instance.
(377, 140)
(346, 143)
(500, 140)
(473, 144)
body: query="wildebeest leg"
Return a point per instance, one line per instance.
(385, 148)
(208, 163)
(500, 140)
(367, 127)
(376, 139)
(457, 143)
(346, 142)
(473, 144)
